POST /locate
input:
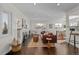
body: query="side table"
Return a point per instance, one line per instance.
(15, 48)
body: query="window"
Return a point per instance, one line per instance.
(58, 25)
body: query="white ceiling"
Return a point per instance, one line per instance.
(43, 12)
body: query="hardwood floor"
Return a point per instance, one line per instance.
(60, 49)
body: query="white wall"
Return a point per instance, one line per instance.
(53, 21)
(6, 40)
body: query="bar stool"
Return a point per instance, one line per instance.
(71, 29)
(73, 41)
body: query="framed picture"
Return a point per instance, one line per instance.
(4, 19)
(19, 23)
(50, 26)
(24, 25)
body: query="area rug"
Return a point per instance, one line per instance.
(40, 44)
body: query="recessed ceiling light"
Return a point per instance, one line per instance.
(58, 4)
